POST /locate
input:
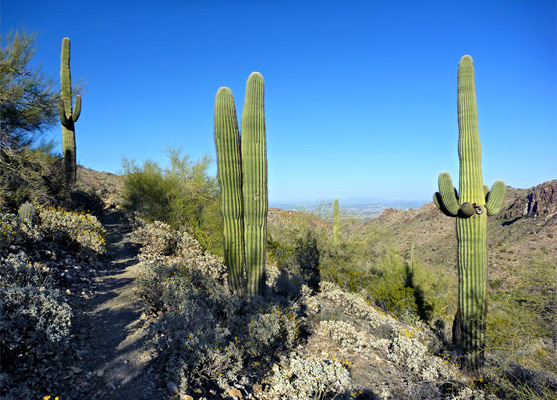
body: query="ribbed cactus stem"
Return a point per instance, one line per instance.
(242, 174)
(254, 168)
(227, 140)
(494, 198)
(336, 223)
(471, 208)
(68, 115)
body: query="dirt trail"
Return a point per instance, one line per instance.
(110, 336)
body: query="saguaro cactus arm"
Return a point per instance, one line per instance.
(63, 119)
(446, 198)
(77, 109)
(494, 198)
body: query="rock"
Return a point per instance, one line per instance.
(81, 353)
(181, 397)
(76, 370)
(99, 373)
(172, 387)
(235, 393)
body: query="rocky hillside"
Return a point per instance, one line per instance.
(333, 343)
(525, 228)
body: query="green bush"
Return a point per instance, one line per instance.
(182, 195)
(521, 323)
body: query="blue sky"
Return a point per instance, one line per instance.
(360, 95)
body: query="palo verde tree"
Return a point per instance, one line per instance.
(27, 97)
(470, 205)
(27, 109)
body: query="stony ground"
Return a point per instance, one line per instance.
(112, 363)
(106, 357)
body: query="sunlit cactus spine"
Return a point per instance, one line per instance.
(336, 223)
(68, 114)
(470, 205)
(26, 212)
(242, 174)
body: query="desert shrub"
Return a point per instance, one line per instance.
(364, 261)
(270, 330)
(307, 256)
(521, 333)
(159, 239)
(308, 379)
(78, 229)
(156, 238)
(412, 356)
(85, 201)
(34, 318)
(30, 174)
(15, 231)
(207, 334)
(344, 334)
(194, 310)
(18, 271)
(389, 290)
(182, 195)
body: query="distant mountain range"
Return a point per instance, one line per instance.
(359, 208)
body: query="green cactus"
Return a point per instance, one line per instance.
(254, 184)
(468, 205)
(26, 212)
(336, 223)
(242, 174)
(68, 116)
(227, 140)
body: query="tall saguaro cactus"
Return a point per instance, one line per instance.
(336, 223)
(242, 174)
(229, 161)
(470, 205)
(68, 114)
(254, 183)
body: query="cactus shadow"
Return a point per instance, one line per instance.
(425, 309)
(512, 221)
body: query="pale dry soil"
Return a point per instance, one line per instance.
(113, 362)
